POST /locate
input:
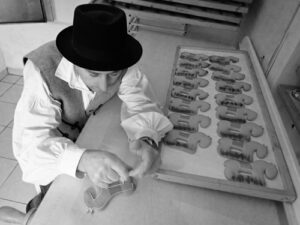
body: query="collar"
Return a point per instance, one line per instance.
(65, 71)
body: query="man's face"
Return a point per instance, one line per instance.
(98, 81)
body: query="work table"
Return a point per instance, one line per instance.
(154, 201)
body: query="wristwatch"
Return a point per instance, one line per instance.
(150, 142)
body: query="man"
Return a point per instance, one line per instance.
(68, 80)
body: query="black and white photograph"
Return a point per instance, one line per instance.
(150, 112)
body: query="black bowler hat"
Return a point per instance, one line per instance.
(98, 39)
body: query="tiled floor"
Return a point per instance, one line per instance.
(13, 191)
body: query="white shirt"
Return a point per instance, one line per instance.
(41, 153)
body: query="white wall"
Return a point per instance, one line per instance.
(291, 72)
(266, 24)
(285, 69)
(18, 39)
(64, 9)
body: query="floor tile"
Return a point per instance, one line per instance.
(15, 189)
(7, 113)
(6, 144)
(4, 87)
(12, 95)
(6, 167)
(1, 128)
(10, 79)
(3, 73)
(11, 124)
(20, 81)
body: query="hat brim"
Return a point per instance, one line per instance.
(130, 54)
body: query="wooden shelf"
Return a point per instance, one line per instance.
(221, 5)
(218, 14)
(184, 10)
(135, 24)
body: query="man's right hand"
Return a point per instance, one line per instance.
(103, 167)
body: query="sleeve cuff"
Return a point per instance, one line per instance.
(149, 124)
(70, 160)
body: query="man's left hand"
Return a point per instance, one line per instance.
(150, 158)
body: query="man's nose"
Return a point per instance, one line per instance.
(103, 82)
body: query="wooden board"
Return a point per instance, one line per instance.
(136, 24)
(225, 6)
(192, 11)
(284, 135)
(180, 20)
(179, 13)
(139, 26)
(205, 168)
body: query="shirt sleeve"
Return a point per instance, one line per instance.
(141, 115)
(40, 149)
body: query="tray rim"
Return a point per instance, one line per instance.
(287, 194)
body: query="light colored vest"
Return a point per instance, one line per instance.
(47, 58)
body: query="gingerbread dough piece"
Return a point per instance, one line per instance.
(241, 150)
(190, 83)
(187, 141)
(224, 87)
(223, 60)
(225, 69)
(188, 107)
(187, 94)
(98, 198)
(231, 75)
(191, 74)
(230, 78)
(189, 123)
(239, 100)
(227, 78)
(193, 57)
(238, 131)
(234, 114)
(250, 173)
(192, 65)
(187, 73)
(234, 88)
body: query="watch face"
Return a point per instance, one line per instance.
(296, 94)
(150, 142)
